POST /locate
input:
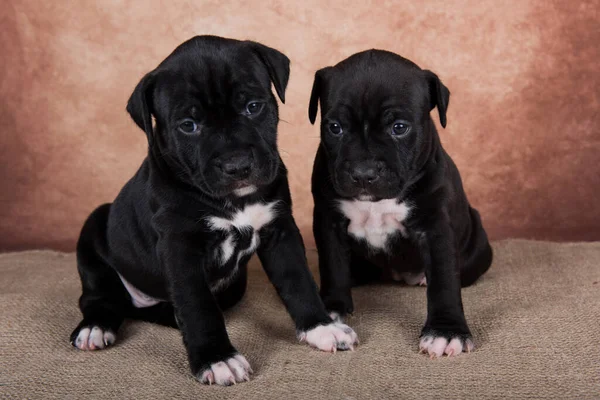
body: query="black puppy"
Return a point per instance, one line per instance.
(389, 201)
(173, 246)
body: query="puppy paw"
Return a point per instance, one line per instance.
(92, 337)
(227, 372)
(437, 345)
(331, 337)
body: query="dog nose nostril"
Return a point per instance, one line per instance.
(236, 167)
(364, 175)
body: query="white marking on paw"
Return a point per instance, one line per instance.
(330, 337)
(228, 372)
(94, 338)
(139, 299)
(455, 347)
(375, 221)
(245, 191)
(438, 346)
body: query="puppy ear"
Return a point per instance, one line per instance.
(315, 95)
(139, 105)
(278, 66)
(439, 95)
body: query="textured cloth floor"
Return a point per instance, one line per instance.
(534, 316)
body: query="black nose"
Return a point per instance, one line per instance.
(237, 166)
(365, 173)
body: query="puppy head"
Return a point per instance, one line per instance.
(215, 115)
(375, 122)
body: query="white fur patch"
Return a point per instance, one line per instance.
(94, 338)
(245, 191)
(227, 248)
(330, 337)
(437, 346)
(139, 299)
(253, 216)
(228, 372)
(250, 249)
(375, 221)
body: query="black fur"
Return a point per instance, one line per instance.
(366, 95)
(155, 234)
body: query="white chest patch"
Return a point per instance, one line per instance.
(254, 216)
(375, 221)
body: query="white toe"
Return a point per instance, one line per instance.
(454, 348)
(96, 339)
(82, 339)
(244, 362)
(438, 346)
(222, 373)
(109, 338)
(238, 370)
(425, 343)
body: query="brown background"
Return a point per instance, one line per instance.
(523, 117)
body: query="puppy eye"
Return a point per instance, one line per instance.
(188, 126)
(335, 129)
(254, 107)
(400, 128)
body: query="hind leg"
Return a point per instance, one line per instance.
(104, 301)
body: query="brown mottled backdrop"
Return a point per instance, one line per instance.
(523, 120)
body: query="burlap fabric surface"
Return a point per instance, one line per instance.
(535, 317)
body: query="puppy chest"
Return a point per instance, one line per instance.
(240, 232)
(375, 221)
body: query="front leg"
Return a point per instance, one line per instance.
(334, 263)
(212, 357)
(284, 260)
(446, 330)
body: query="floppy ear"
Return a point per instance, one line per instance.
(439, 95)
(315, 95)
(278, 66)
(139, 105)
